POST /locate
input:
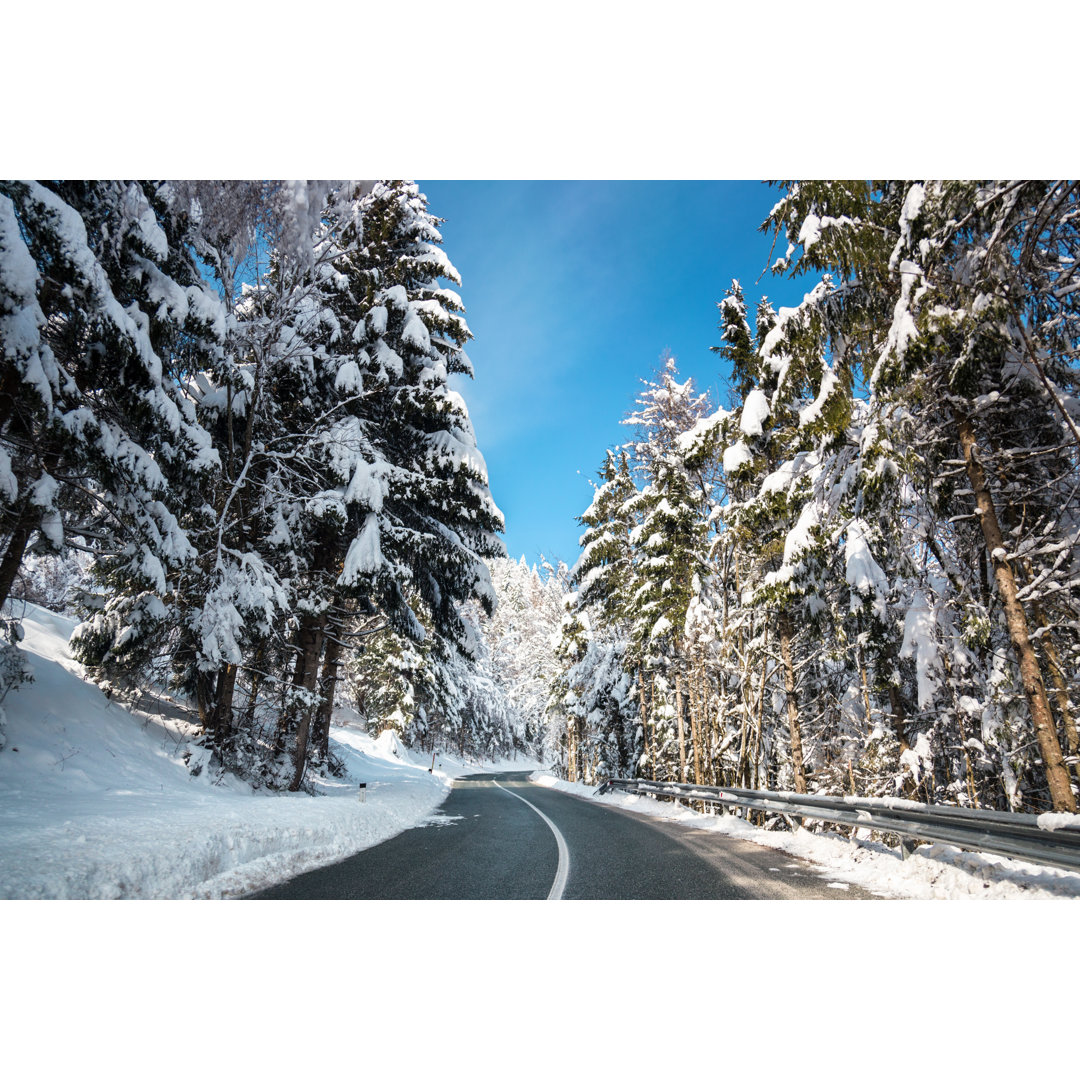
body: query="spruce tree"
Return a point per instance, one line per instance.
(671, 541)
(105, 318)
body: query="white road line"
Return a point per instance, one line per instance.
(564, 853)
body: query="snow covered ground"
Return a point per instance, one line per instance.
(933, 872)
(98, 802)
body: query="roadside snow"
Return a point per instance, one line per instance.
(98, 802)
(934, 872)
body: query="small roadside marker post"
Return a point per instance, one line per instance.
(363, 793)
(432, 769)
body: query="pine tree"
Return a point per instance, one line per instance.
(411, 486)
(671, 541)
(924, 301)
(104, 318)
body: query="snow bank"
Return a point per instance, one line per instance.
(98, 801)
(934, 872)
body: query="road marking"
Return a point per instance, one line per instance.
(564, 852)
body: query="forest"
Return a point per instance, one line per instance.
(229, 441)
(859, 576)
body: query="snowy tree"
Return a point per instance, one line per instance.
(104, 315)
(410, 517)
(519, 644)
(670, 537)
(610, 722)
(269, 464)
(928, 295)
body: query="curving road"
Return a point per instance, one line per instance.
(499, 837)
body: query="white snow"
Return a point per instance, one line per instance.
(97, 802)
(18, 271)
(810, 232)
(919, 624)
(368, 485)
(934, 872)
(735, 457)
(754, 413)
(864, 575)
(812, 412)
(415, 333)
(800, 538)
(9, 485)
(690, 439)
(348, 378)
(365, 553)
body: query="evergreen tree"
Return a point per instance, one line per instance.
(104, 318)
(924, 299)
(671, 542)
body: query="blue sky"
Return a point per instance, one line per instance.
(573, 291)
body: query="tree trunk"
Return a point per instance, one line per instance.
(309, 639)
(679, 724)
(1061, 695)
(896, 707)
(10, 383)
(248, 721)
(205, 681)
(1057, 777)
(645, 722)
(16, 549)
(219, 722)
(1057, 677)
(328, 685)
(695, 723)
(792, 704)
(710, 736)
(571, 749)
(760, 722)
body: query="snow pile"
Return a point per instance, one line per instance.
(98, 801)
(754, 413)
(934, 872)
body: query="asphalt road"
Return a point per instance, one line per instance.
(498, 837)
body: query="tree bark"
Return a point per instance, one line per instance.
(1061, 694)
(16, 549)
(1057, 675)
(9, 389)
(707, 727)
(571, 749)
(679, 724)
(645, 721)
(204, 696)
(328, 685)
(248, 721)
(792, 704)
(760, 723)
(695, 723)
(309, 639)
(219, 722)
(1057, 776)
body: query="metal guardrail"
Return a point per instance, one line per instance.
(1051, 839)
